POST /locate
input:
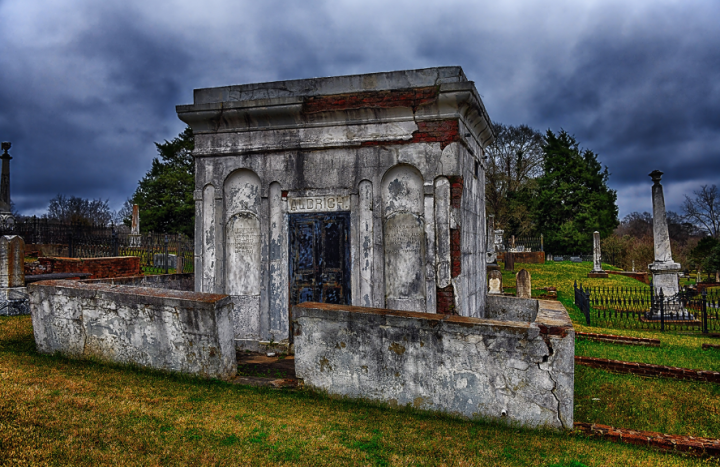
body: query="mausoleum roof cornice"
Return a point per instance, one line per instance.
(358, 101)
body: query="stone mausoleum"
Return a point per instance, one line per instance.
(364, 190)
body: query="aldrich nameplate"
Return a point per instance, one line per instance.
(319, 204)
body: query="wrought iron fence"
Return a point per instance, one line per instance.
(158, 253)
(642, 308)
(520, 244)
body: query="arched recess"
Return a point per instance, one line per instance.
(404, 238)
(241, 192)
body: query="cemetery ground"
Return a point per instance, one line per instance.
(59, 411)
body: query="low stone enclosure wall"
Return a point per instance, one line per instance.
(517, 365)
(185, 282)
(528, 257)
(99, 268)
(158, 328)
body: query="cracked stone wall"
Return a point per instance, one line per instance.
(519, 371)
(164, 329)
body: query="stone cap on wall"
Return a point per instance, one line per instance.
(550, 317)
(149, 295)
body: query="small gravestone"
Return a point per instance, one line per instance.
(495, 282)
(576, 259)
(509, 261)
(558, 258)
(13, 294)
(522, 279)
(159, 260)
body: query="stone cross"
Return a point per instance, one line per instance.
(491, 253)
(664, 269)
(12, 261)
(495, 282)
(523, 284)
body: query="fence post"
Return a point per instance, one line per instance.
(542, 243)
(114, 242)
(704, 311)
(662, 310)
(586, 293)
(70, 245)
(167, 259)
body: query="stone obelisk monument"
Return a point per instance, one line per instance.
(664, 269)
(135, 237)
(597, 271)
(7, 220)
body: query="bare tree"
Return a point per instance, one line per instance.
(515, 159)
(71, 209)
(704, 210)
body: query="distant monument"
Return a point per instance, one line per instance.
(597, 271)
(7, 220)
(491, 261)
(135, 237)
(664, 269)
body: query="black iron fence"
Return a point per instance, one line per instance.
(520, 244)
(642, 308)
(158, 253)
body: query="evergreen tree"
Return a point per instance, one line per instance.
(573, 199)
(165, 194)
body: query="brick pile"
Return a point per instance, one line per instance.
(647, 369)
(613, 339)
(685, 444)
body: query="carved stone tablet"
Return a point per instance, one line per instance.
(243, 255)
(404, 250)
(523, 284)
(319, 204)
(12, 261)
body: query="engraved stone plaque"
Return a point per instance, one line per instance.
(328, 203)
(523, 284)
(404, 251)
(243, 254)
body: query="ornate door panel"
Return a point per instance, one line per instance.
(320, 258)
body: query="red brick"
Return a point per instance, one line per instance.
(372, 99)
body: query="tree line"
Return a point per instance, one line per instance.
(535, 183)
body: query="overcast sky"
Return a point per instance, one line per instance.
(87, 87)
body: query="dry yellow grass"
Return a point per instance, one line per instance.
(55, 411)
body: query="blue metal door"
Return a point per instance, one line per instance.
(320, 258)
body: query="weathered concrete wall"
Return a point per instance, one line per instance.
(518, 371)
(185, 281)
(405, 149)
(164, 329)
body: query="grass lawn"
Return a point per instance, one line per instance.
(57, 411)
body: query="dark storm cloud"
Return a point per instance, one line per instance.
(85, 125)
(86, 89)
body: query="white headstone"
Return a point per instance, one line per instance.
(495, 282)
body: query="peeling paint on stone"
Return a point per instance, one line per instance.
(520, 369)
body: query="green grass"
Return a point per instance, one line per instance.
(685, 353)
(57, 411)
(651, 404)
